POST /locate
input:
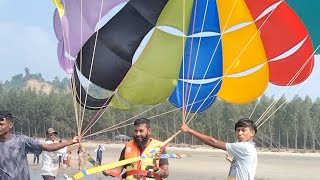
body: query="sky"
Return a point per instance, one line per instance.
(28, 40)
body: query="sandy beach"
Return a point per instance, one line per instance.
(207, 163)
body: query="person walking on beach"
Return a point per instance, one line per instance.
(36, 158)
(148, 168)
(99, 153)
(60, 156)
(242, 154)
(13, 148)
(51, 160)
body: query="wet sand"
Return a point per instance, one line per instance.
(207, 163)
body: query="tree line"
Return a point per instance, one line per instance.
(296, 124)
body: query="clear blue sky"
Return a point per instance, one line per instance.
(28, 40)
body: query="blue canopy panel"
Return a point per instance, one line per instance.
(201, 69)
(197, 102)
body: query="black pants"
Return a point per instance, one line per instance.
(36, 158)
(47, 177)
(99, 160)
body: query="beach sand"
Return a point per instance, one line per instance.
(207, 163)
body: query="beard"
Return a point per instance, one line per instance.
(141, 141)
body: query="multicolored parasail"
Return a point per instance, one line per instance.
(188, 51)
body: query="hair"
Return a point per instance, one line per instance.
(246, 122)
(142, 121)
(5, 115)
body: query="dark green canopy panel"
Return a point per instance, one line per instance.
(309, 12)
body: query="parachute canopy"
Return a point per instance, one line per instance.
(188, 52)
(309, 13)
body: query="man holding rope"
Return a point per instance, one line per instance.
(13, 148)
(243, 152)
(146, 169)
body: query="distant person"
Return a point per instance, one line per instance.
(99, 153)
(13, 148)
(242, 154)
(147, 168)
(68, 160)
(50, 160)
(80, 157)
(60, 156)
(36, 158)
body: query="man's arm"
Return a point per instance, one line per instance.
(57, 146)
(204, 138)
(117, 170)
(163, 169)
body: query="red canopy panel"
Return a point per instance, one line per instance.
(282, 31)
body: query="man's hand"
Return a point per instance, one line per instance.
(156, 157)
(106, 172)
(111, 173)
(185, 128)
(229, 157)
(76, 139)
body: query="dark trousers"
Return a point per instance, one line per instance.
(47, 177)
(36, 158)
(99, 159)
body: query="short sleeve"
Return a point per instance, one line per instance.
(238, 150)
(122, 154)
(32, 146)
(62, 150)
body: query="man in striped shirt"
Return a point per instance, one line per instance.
(14, 148)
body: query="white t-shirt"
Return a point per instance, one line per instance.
(50, 161)
(244, 164)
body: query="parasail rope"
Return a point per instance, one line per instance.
(257, 32)
(215, 50)
(283, 91)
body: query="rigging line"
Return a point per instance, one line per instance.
(107, 130)
(183, 52)
(271, 139)
(81, 109)
(263, 121)
(190, 57)
(66, 44)
(197, 54)
(287, 86)
(94, 119)
(262, 139)
(214, 52)
(102, 131)
(75, 104)
(93, 56)
(257, 32)
(132, 117)
(254, 109)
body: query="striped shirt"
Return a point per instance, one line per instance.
(13, 158)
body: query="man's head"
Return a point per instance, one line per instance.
(6, 122)
(52, 134)
(142, 132)
(245, 129)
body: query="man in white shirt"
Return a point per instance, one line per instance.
(244, 162)
(50, 160)
(99, 153)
